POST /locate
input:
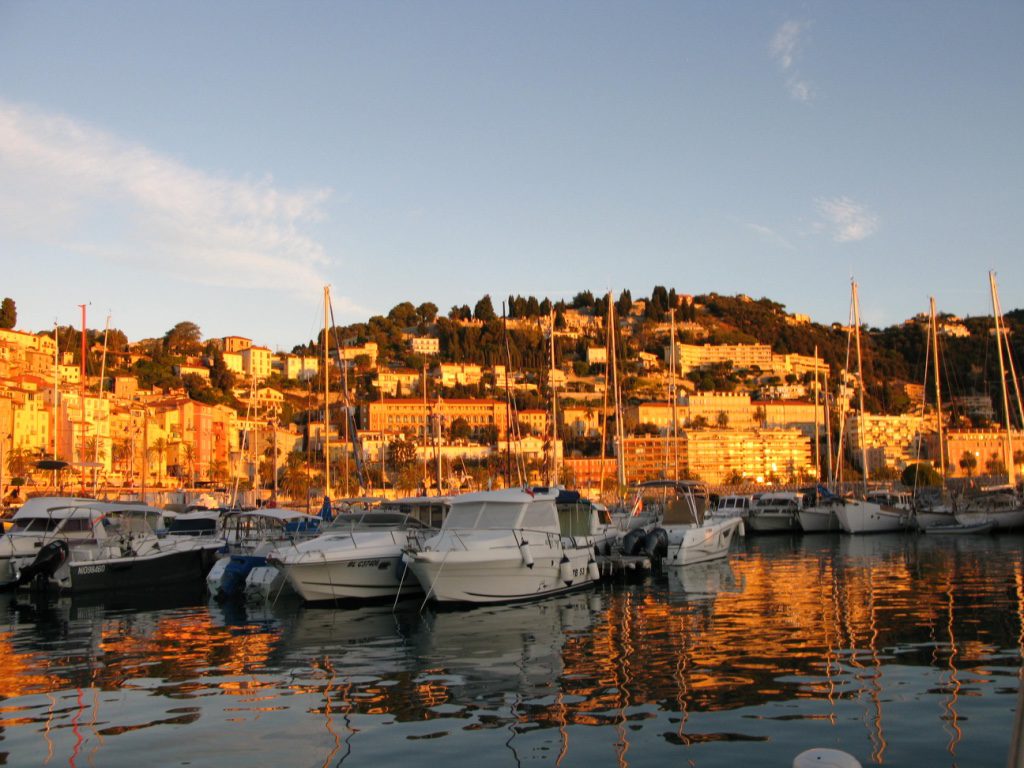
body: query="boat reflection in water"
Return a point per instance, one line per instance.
(901, 650)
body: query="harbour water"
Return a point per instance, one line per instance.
(901, 650)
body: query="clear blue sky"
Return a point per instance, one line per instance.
(220, 162)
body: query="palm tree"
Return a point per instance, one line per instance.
(159, 448)
(189, 452)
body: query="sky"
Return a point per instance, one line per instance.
(220, 163)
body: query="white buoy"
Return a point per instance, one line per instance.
(820, 757)
(595, 572)
(526, 554)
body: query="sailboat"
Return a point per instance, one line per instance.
(1001, 504)
(861, 515)
(935, 511)
(820, 515)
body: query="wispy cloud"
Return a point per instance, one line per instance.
(784, 48)
(769, 235)
(80, 189)
(846, 220)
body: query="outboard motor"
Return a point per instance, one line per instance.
(656, 543)
(232, 583)
(633, 542)
(49, 558)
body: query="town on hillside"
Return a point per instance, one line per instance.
(592, 394)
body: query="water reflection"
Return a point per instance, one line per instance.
(900, 649)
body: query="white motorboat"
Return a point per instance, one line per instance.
(503, 546)
(249, 536)
(686, 534)
(775, 512)
(41, 520)
(733, 505)
(122, 552)
(359, 556)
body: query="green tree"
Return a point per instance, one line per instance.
(426, 312)
(968, 463)
(920, 475)
(460, 429)
(293, 478)
(401, 453)
(484, 310)
(185, 338)
(8, 313)
(995, 465)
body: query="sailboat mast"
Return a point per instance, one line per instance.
(860, 389)
(620, 458)
(327, 403)
(554, 407)
(1010, 469)
(817, 436)
(673, 394)
(828, 433)
(81, 394)
(938, 388)
(103, 396)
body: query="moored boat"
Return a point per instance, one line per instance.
(686, 534)
(503, 546)
(123, 552)
(775, 512)
(359, 555)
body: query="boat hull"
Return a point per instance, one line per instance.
(858, 516)
(772, 522)
(501, 575)
(1002, 520)
(362, 576)
(817, 520)
(158, 568)
(701, 544)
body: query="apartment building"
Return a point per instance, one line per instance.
(654, 457)
(410, 416)
(235, 343)
(425, 345)
(986, 446)
(458, 374)
(756, 455)
(888, 441)
(257, 363)
(581, 421)
(398, 382)
(297, 367)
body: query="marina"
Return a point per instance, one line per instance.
(899, 649)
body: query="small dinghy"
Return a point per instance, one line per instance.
(955, 529)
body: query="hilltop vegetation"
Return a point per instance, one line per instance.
(514, 335)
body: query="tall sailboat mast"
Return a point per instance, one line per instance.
(817, 436)
(860, 389)
(938, 388)
(554, 407)
(81, 404)
(620, 459)
(1010, 469)
(327, 402)
(673, 394)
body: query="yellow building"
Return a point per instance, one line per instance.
(987, 447)
(409, 416)
(889, 441)
(257, 363)
(756, 455)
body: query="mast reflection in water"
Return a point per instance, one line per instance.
(899, 650)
